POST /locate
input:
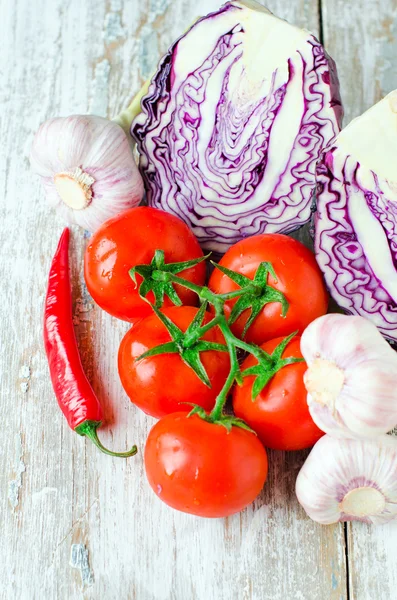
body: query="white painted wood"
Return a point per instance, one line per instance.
(76, 523)
(362, 38)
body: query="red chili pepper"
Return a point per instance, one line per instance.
(73, 391)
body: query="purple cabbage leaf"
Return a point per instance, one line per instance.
(233, 123)
(356, 219)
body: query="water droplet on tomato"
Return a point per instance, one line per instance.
(159, 489)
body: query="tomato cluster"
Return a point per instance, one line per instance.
(200, 461)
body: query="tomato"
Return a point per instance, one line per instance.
(279, 415)
(159, 384)
(298, 278)
(129, 239)
(200, 468)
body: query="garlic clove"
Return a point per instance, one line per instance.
(350, 480)
(87, 168)
(351, 378)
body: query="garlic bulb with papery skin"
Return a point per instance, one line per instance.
(87, 168)
(351, 378)
(350, 480)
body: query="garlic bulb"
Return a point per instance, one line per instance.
(351, 378)
(350, 480)
(87, 168)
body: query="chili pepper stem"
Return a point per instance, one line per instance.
(89, 429)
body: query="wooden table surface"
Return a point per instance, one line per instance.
(74, 522)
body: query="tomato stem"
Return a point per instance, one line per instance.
(252, 294)
(193, 337)
(204, 293)
(235, 294)
(234, 374)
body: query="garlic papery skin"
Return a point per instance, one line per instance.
(351, 378)
(350, 480)
(87, 168)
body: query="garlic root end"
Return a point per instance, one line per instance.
(363, 502)
(324, 381)
(74, 188)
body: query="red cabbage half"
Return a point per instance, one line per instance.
(234, 122)
(356, 222)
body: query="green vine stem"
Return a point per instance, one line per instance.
(217, 301)
(234, 375)
(159, 277)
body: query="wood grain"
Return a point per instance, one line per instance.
(362, 37)
(76, 523)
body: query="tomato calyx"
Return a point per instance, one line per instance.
(254, 294)
(269, 364)
(156, 277)
(257, 293)
(227, 421)
(188, 344)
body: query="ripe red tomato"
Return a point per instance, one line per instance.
(200, 468)
(159, 384)
(129, 239)
(298, 277)
(279, 415)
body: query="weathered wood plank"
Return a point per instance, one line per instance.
(362, 37)
(303, 13)
(78, 523)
